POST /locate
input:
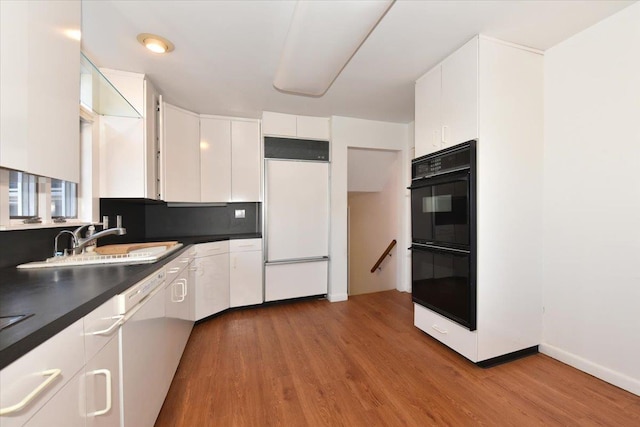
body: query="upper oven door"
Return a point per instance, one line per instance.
(440, 210)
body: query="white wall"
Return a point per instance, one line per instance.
(374, 221)
(347, 132)
(591, 289)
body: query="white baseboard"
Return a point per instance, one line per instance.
(616, 378)
(337, 297)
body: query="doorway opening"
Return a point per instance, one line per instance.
(374, 215)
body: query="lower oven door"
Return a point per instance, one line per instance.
(443, 280)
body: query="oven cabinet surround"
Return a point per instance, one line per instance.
(292, 126)
(39, 88)
(446, 102)
(128, 146)
(509, 198)
(229, 160)
(209, 158)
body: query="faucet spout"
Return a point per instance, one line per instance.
(81, 243)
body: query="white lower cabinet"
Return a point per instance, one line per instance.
(65, 409)
(245, 272)
(102, 387)
(177, 320)
(211, 278)
(102, 371)
(33, 382)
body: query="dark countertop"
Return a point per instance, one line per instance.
(58, 297)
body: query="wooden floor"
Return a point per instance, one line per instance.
(363, 363)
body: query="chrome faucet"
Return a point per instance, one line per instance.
(79, 243)
(55, 242)
(82, 242)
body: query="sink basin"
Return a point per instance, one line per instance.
(123, 254)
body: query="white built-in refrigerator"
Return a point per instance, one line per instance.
(296, 228)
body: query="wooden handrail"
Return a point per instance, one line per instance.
(384, 255)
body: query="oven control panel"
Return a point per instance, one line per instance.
(441, 162)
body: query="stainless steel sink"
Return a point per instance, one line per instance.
(146, 255)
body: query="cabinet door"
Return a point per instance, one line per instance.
(178, 321)
(279, 124)
(39, 88)
(122, 157)
(102, 385)
(212, 285)
(245, 161)
(44, 370)
(181, 157)
(215, 160)
(245, 278)
(66, 408)
(312, 127)
(151, 99)
(428, 137)
(460, 95)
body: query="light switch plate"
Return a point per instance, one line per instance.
(239, 213)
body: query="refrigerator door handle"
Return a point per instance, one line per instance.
(297, 260)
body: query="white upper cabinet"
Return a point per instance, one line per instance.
(245, 161)
(446, 100)
(128, 146)
(278, 124)
(312, 127)
(460, 95)
(215, 159)
(180, 155)
(230, 160)
(292, 126)
(40, 88)
(428, 124)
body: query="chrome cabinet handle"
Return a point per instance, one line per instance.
(110, 328)
(107, 375)
(52, 374)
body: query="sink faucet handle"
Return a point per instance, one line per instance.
(118, 221)
(105, 222)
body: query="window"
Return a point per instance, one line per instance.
(64, 199)
(23, 195)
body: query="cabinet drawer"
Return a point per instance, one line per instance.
(447, 332)
(48, 367)
(245, 245)
(212, 248)
(100, 326)
(175, 267)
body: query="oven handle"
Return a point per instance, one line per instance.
(439, 174)
(419, 246)
(431, 181)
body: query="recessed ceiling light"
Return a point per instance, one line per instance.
(155, 43)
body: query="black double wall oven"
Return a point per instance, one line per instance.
(443, 228)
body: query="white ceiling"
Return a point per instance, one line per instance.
(227, 51)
